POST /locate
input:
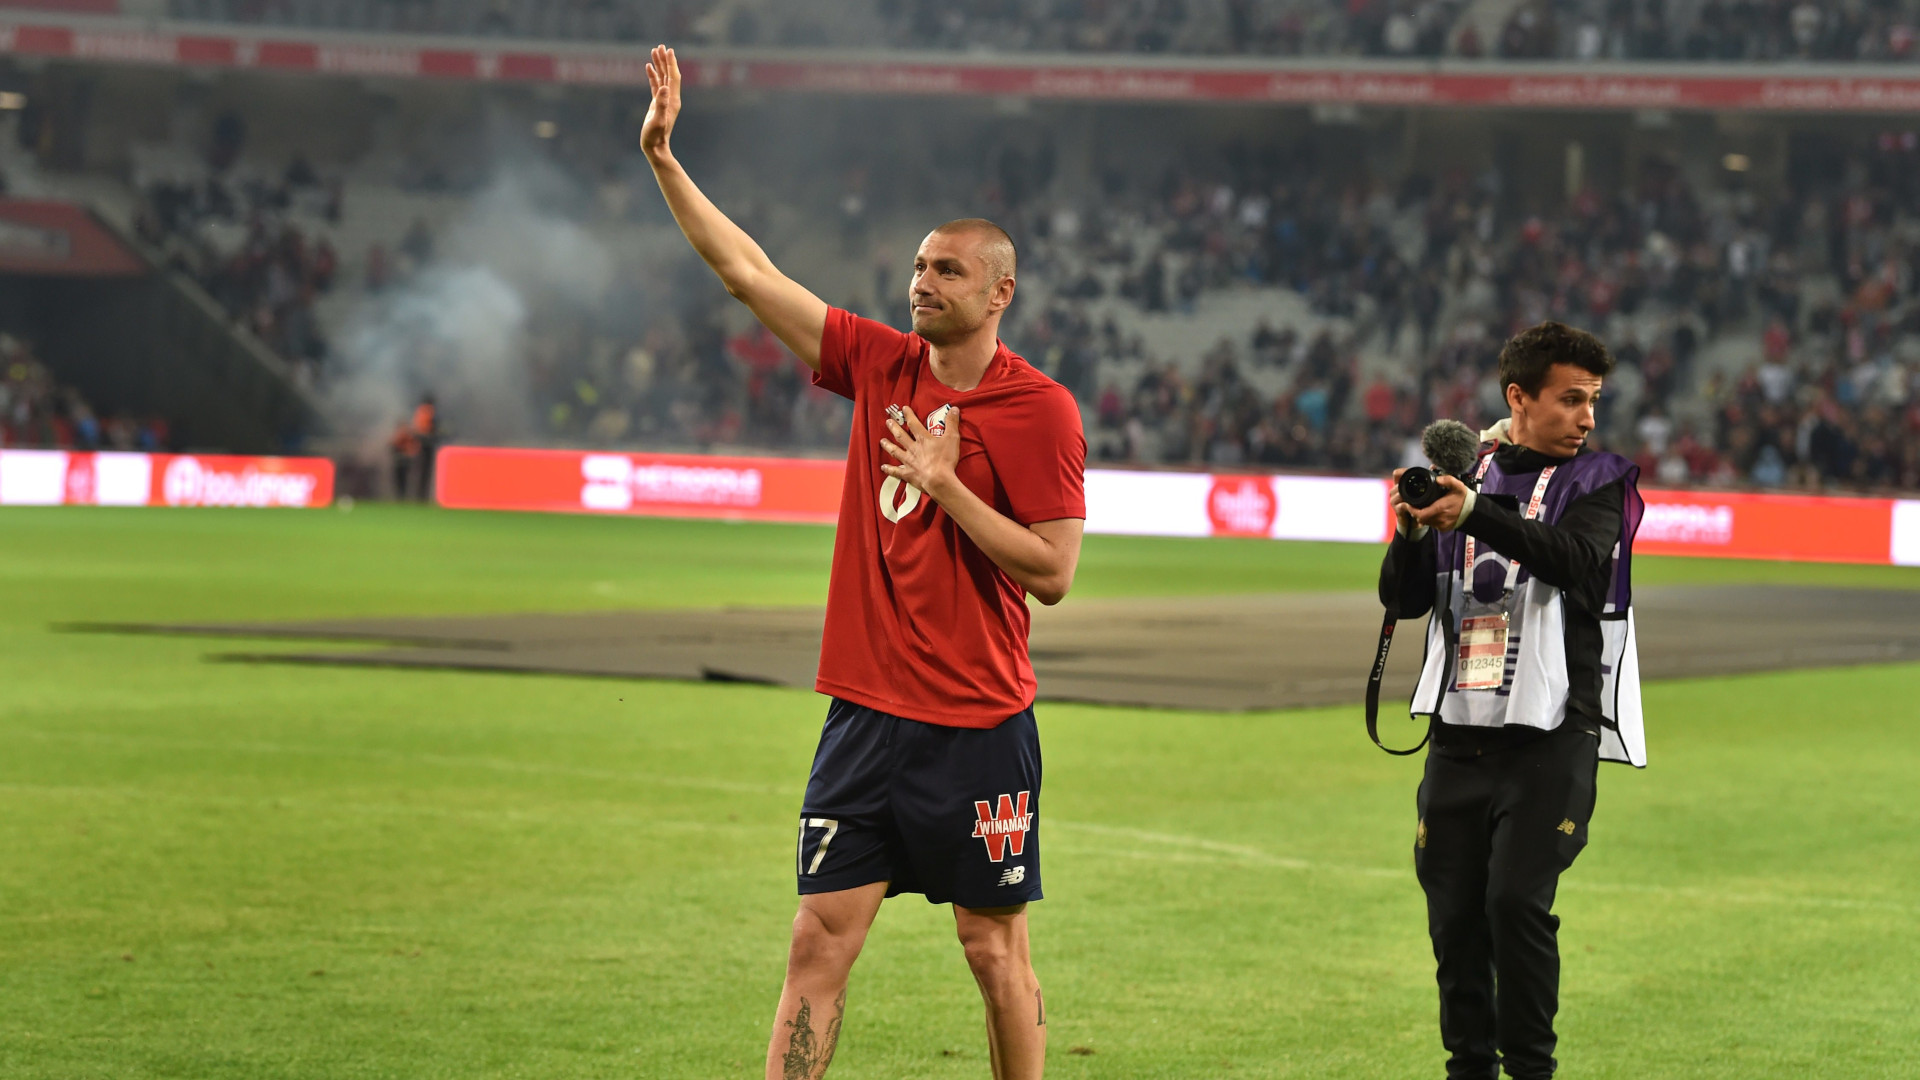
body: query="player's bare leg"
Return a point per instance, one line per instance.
(995, 940)
(827, 936)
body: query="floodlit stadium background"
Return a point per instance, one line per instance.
(1263, 241)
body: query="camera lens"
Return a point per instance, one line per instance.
(1418, 488)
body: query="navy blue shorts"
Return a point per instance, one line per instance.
(953, 813)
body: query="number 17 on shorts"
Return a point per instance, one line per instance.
(822, 830)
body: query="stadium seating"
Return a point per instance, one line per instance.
(1262, 302)
(1592, 30)
(1217, 316)
(38, 412)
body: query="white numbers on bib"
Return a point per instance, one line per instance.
(890, 509)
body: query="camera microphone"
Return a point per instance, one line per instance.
(1453, 448)
(1451, 445)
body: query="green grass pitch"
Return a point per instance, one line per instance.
(235, 872)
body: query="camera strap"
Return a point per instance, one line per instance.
(1373, 686)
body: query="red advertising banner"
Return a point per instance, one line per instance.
(1735, 525)
(1859, 88)
(661, 485)
(1739, 525)
(1808, 528)
(69, 478)
(39, 237)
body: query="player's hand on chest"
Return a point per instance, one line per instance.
(930, 454)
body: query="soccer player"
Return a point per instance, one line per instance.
(963, 496)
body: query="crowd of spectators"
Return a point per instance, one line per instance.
(673, 378)
(1662, 270)
(37, 412)
(1388, 303)
(1883, 31)
(1244, 27)
(238, 239)
(1410, 293)
(1725, 30)
(580, 20)
(589, 19)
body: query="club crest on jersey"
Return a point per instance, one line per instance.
(936, 420)
(1003, 828)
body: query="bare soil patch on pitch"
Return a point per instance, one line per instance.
(1268, 651)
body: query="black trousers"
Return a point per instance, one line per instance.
(1495, 833)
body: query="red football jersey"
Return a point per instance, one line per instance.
(920, 622)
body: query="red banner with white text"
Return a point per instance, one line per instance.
(1740, 525)
(660, 485)
(84, 478)
(1141, 503)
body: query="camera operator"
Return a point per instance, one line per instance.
(1530, 680)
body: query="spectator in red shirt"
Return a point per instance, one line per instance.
(927, 777)
(1379, 401)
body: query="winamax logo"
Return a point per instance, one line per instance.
(1004, 828)
(1242, 506)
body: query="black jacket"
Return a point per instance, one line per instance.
(1573, 555)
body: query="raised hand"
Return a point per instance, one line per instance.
(927, 461)
(663, 78)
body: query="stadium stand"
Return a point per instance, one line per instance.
(1590, 30)
(1303, 295)
(241, 247)
(1718, 30)
(37, 412)
(1261, 27)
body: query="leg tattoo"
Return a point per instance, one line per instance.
(1040, 1005)
(808, 1055)
(798, 1063)
(833, 1030)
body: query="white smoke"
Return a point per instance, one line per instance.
(457, 328)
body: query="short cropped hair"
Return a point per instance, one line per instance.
(1526, 359)
(996, 247)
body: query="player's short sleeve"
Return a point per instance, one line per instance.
(848, 345)
(1042, 460)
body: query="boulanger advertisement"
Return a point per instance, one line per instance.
(74, 478)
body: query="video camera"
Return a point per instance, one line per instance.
(1453, 448)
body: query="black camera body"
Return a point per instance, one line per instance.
(1420, 487)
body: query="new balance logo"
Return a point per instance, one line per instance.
(1013, 875)
(1003, 828)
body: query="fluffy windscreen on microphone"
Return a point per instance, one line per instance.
(1451, 445)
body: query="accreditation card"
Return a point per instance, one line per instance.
(1482, 661)
(1483, 652)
